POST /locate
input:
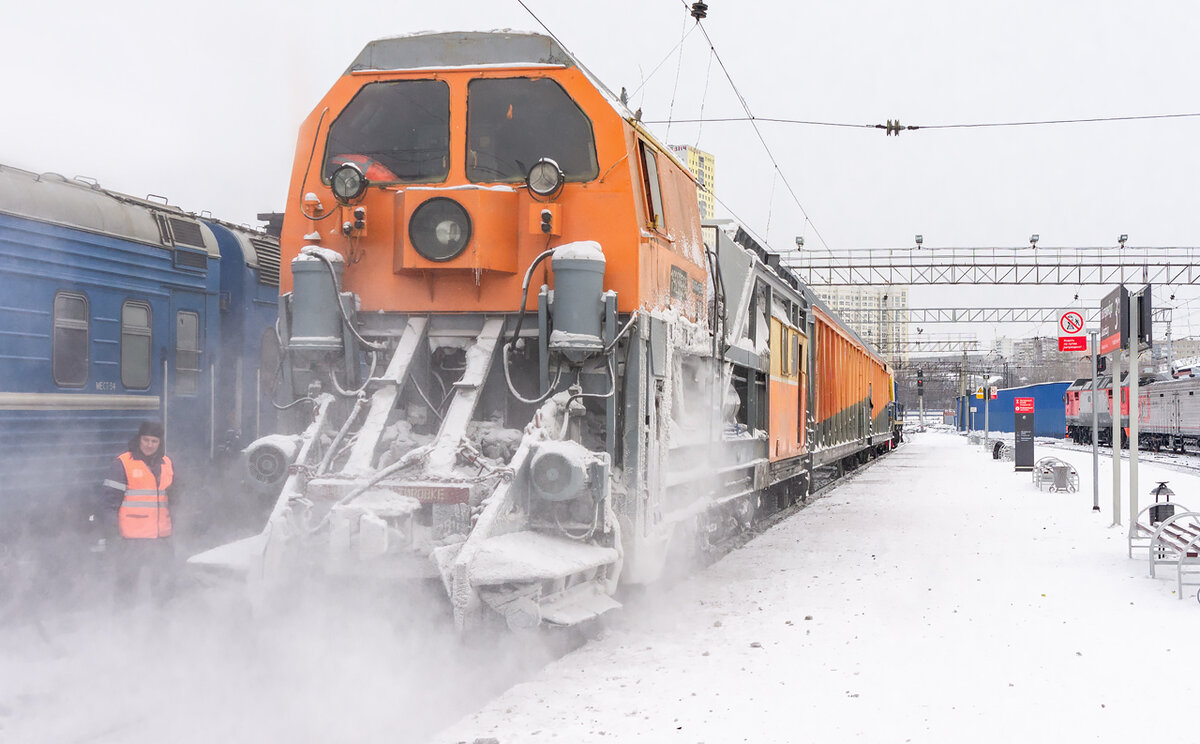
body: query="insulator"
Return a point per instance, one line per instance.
(699, 10)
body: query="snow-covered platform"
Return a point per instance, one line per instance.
(935, 596)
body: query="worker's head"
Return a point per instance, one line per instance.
(150, 436)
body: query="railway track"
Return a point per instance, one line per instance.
(1185, 462)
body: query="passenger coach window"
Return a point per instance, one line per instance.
(136, 339)
(396, 132)
(69, 355)
(187, 352)
(514, 122)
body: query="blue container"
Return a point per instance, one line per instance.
(1049, 409)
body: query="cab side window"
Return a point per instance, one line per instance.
(653, 192)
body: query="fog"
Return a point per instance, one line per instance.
(328, 661)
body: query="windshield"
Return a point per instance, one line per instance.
(514, 122)
(396, 132)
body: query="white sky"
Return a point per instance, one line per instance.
(203, 106)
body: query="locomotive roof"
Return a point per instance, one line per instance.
(50, 197)
(440, 50)
(461, 49)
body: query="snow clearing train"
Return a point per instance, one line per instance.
(117, 309)
(518, 362)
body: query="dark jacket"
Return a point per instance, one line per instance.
(112, 489)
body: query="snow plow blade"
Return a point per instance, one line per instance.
(531, 577)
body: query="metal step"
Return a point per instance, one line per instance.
(578, 604)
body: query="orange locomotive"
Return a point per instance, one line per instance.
(469, 133)
(515, 359)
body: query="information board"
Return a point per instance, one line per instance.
(1023, 434)
(1114, 321)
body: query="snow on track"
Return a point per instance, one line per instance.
(936, 597)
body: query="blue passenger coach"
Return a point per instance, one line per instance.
(115, 309)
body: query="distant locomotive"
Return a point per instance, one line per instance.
(519, 363)
(1168, 412)
(117, 309)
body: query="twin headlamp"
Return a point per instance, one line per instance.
(440, 228)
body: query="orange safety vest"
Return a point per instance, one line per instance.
(144, 512)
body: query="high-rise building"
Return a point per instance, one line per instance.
(701, 164)
(878, 314)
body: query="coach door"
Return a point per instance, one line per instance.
(1175, 415)
(188, 375)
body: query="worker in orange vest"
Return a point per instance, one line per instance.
(139, 492)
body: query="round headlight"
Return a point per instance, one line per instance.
(348, 182)
(440, 229)
(545, 178)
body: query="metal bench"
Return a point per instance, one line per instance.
(1173, 541)
(1058, 475)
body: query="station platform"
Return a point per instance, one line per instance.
(936, 595)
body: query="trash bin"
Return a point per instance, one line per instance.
(1062, 477)
(1163, 511)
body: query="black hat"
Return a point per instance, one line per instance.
(151, 429)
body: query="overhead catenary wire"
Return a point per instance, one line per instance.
(544, 26)
(664, 60)
(678, 69)
(894, 125)
(758, 132)
(704, 95)
(745, 106)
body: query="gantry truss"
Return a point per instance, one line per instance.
(1023, 266)
(928, 315)
(928, 346)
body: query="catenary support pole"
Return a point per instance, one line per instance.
(1095, 430)
(1116, 436)
(1134, 312)
(987, 408)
